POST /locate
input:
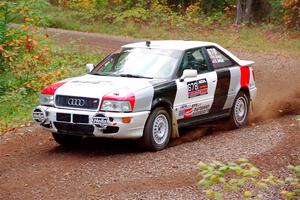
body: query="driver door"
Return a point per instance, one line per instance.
(195, 95)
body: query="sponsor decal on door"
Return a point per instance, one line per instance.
(192, 110)
(197, 88)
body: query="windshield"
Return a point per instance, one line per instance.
(140, 63)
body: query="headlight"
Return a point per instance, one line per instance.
(116, 106)
(46, 99)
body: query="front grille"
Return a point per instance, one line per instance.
(63, 117)
(81, 119)
(76, 102)
(74, 129)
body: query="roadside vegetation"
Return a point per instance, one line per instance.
(272, 26)
(245, 181)
(29, 62)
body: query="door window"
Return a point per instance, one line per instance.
(218, 59)
(193, 59)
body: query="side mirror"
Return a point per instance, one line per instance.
(89, 67)
(188, 73)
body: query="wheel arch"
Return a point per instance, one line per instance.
(165, 103)
(162, 102)
(246, 91)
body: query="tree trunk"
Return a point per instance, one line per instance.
(239, 12)
(248, 11)
(54, 2)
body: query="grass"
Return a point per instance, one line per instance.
(16, 109)
(16, 105)
(253, 39)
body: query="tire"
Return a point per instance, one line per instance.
(66, 140)
(240, 111)
(157, 131)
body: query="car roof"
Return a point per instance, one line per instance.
(170, 44)
(183, 45)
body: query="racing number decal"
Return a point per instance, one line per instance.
(197, 88)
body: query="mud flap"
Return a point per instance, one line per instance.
(175, 132)
(251, 106)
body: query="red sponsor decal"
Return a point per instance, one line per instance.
(188, 112)
(245, 76)
(50, 90)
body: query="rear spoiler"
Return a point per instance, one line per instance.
(242, 63)
(245, 63)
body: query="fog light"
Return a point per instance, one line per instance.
(100, 121)
(126, 120)
(39, 115)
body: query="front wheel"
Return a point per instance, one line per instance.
(240, 110)
(158, 129)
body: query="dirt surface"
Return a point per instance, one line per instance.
(33, 166)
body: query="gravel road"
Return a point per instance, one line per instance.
(33, 166)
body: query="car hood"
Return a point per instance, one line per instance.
(95, 86)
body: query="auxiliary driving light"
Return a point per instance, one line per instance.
(39, 115)
(100, 121)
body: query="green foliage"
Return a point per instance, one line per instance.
(181, 13)
(28, 62)
(291, 9)
(18, 46)
(18, 102)
(163, 23)
(276, 9)
(151, 13)
(241, 176)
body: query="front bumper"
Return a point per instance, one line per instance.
(115, 129)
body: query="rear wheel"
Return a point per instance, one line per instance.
(240, 110)
(158, 129)
(66, 140)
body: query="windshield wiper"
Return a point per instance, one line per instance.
(105, 74)
(134, 76)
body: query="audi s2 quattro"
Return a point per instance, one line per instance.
(146, 91)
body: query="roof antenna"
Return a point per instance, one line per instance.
(148, 43)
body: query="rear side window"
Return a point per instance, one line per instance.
(218, 59)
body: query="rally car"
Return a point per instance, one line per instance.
(146, 91)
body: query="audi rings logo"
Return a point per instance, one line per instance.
(76, 102)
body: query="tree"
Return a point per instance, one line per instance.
(243, 11)
(252, 10)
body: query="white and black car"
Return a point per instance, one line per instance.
(148, 90)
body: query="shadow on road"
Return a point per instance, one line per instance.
(99, 146)
(104, 146)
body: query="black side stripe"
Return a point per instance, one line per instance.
(164, 92)
(222, 90)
